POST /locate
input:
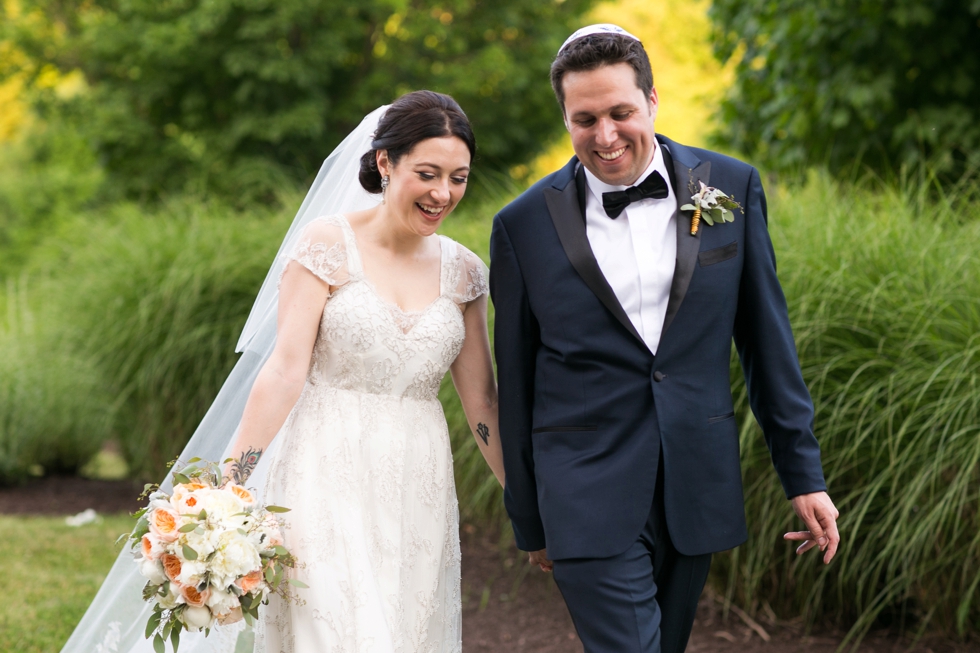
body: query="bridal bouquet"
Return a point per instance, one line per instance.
(210, 554)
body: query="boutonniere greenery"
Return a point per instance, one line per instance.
(710, 204)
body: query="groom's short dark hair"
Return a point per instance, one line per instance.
(596, 50)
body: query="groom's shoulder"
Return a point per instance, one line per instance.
(719, 162)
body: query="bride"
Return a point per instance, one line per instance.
(342, 423)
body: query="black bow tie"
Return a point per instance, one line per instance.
(653, 187)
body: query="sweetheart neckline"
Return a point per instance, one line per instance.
(393, 309)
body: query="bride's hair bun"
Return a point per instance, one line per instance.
(410, 119)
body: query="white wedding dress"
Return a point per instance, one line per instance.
(364, 463)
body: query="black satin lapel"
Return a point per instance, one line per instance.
(569, 219)
(688, 246)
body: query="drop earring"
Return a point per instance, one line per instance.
(384, 188)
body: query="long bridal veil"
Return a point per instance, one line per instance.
(116, 619)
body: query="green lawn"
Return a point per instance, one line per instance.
(49, 572)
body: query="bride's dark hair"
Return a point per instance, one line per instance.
(410, 119)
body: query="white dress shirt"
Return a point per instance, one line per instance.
(637, 251)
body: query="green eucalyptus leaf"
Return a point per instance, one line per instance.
(189, 553)
(277, 509)
(187, 528)
(151, 624)
(180, 479)
(175, 637)
(158, 644)
(297, 583)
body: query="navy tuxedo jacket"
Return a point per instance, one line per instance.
(585, 407)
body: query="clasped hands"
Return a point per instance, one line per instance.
(816, 510)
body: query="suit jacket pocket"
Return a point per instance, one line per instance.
(563, 429)
(721, 418)
(718, 254)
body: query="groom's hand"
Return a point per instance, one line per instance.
(820, 516)
(540, 558)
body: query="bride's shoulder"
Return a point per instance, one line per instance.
(462, 253)
(321, 247)
(326, 229)
(468, 273)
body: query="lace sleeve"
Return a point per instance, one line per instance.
(471, 281)
(322, 250)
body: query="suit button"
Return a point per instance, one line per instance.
(659, 376)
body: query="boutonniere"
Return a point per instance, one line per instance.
(712, 205)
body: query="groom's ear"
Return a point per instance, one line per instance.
(654, 104)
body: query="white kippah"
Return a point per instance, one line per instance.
(601, 28)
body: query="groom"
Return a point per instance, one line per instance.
(614, 323)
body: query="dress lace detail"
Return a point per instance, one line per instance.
(366, 467)
(322, 249)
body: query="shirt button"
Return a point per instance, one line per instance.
(659, 376)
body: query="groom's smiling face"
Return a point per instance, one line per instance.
(611, 121)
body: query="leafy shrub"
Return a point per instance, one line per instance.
(47, 175)
(184, 92)
(884, 295)
(157, 301)
(53, 410)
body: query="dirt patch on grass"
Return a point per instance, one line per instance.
(69, 495)
(507, 606)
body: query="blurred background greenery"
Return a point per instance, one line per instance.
(153, 153)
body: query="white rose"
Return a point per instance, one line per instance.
(191, 572)
(234, 557)
(152, 570)
(222, 504)
(203, 543)
(222, 603)
(196, 618)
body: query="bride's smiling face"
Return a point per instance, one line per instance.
(427, 183)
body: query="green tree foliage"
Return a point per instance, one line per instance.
(249, 90)
(833, 82)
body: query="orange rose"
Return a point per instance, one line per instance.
(171, 566)
(183, 498)
(233, 617)
(247, 497)
(193, 597)
(150, 546)
(248, 583)
(163, 524)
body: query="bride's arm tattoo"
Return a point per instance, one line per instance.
(483, 432)
(242, 468)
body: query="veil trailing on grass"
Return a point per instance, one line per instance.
(116, 619)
